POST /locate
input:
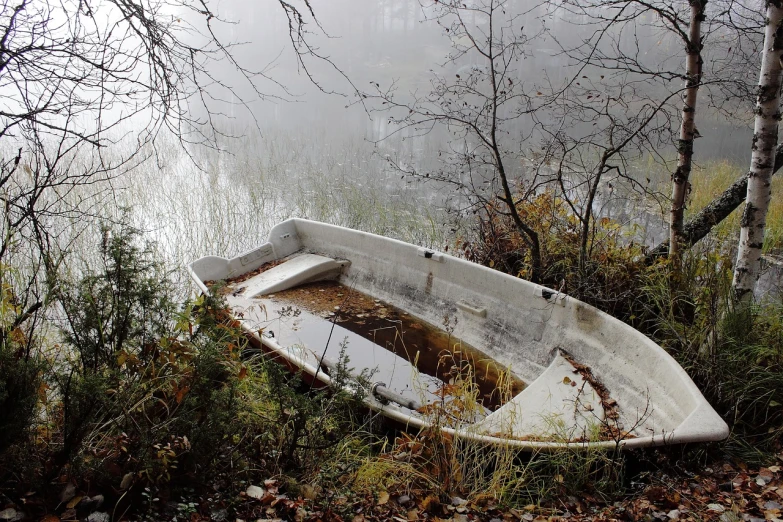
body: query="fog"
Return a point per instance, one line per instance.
(387, 41)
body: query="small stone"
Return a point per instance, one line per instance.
(8, 514)
(99, 516)
(403, 499)
(716, 507)
(255, 492)
(674, 514)
(457, 501)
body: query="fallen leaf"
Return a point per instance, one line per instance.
(73, 502)
(68, 492)
(428, 501)
(383, 497)
(127, 481)
(309, 492)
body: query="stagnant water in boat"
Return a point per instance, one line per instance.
(305, 315)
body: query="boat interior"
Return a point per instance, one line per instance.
(311, 311)
(428, 335)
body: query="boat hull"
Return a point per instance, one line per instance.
(525, 327)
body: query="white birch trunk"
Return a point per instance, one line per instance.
(765, 137)
(680, 183)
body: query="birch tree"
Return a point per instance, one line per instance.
(765, 137)
(693, 75)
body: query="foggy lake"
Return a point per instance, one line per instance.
(309, 145)
(397, 40)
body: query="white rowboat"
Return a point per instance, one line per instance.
(314, 290)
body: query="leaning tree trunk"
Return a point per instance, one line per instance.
(716, 211)
(765, 138)
(680, 184)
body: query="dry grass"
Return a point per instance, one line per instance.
(710, 180)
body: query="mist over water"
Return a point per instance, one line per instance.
(313, 148)
(387, 41)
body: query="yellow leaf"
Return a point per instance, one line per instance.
(17, 335)
(73, 502)
(383, 497)
(428, 501)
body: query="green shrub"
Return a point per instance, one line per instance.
(123, 307)
(20, 368)
(20, 382)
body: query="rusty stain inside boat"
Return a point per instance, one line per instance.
(434, 351)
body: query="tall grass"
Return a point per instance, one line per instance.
(711, 179)
(200, 201)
